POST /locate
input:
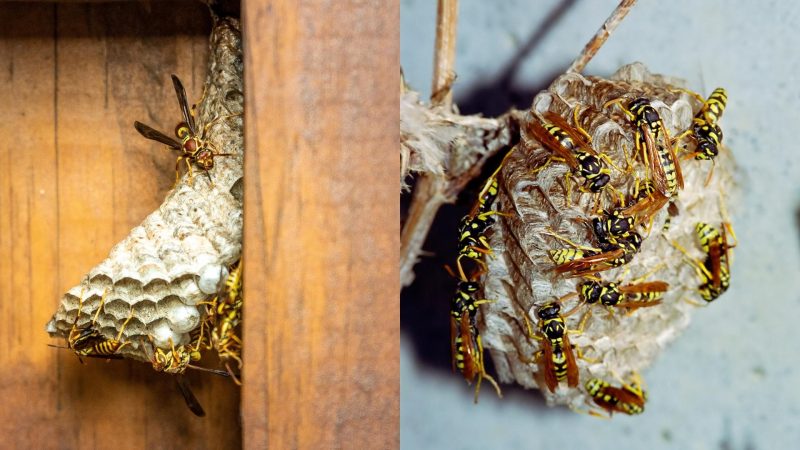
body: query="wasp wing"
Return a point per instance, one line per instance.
(579, 139)
(188, 395)
(572, 366)
(155, 135)
(472, 363)
(548, 367)
(714, 256)
(551, 143)
(181, 93)
(588, 264)
(650, 286)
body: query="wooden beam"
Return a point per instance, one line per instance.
(321, 325)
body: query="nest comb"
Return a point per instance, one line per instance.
(179, 256)
(521, 278)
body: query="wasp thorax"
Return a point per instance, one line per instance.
(590, 291)
(190, 145)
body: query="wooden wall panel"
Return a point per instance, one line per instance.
(74, 178)
(321, 224)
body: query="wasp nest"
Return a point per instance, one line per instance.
(615, 343)
(157, 278)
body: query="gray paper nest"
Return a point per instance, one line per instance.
(520, 277)
(178, 257)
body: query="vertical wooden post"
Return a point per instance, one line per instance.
(321, 230)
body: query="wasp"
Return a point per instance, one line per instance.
(472, 243)
(224, 312)
(645, 202)
(617, 243)
(613, 294)
(175, 362)
(87, 341)
(706, 132)
(627, 399)
(194, 147)
(714, 271)
(465, 341)
(658, 156)
(572, 146)
(557, 356)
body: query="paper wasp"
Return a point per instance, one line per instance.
(714, 271)
(194, 146)
(706, 132)
(572, 145)
(659, 157)
(465, 341)
(472, 243)
(224, 313)
(617, 243)
(557, 356)
(613, 294)
(87, 341)
(627, 399)
(175, 362)
(645, 202)
(229, 314)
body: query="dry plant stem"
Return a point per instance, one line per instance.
(600, 37)
(430, 192)
(444, 52)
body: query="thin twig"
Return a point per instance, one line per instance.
(600, 37)
(431, 191)
(444, 53)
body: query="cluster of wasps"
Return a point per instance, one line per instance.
(218, 328)
(617, 231)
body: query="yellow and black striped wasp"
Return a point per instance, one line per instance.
(194, 146)
(714, 271)
(617, 242)
(87, 341)
(465, 340)
(225, 313)
(653, 144)
(614, 294)
(572, 145)
(557, 355)
(644, 204)
(472, 243)
(627, 399)
(176, 362)
(705, 130)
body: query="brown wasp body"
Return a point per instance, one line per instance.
(194, 147)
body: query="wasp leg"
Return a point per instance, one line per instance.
(710, 172)
(618, 101)
(483, 373)
(702, 271)
(189, 167)
(578, 126)
(580, 355)
(216, 120)
(547, 162)
(550, 232)
(461, 268)
(233, 376)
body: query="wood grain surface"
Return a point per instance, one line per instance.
(74, 178)
(321, 224)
